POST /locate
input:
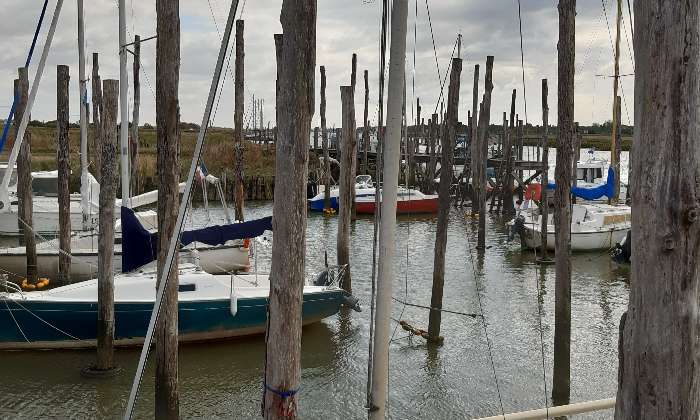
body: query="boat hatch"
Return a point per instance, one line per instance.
(187, 287)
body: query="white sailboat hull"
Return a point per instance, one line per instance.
(580, 241)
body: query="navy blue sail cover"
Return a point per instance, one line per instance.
(139, 246)
(593, 193)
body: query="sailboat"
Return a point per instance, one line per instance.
(211, 307)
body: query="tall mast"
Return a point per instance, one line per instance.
(616, 81)
(123, 105)
(387, 246)
(12, 159)
(82, 86)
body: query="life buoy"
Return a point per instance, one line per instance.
(533, 192)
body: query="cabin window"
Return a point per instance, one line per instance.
(47, 187)
(186, 288)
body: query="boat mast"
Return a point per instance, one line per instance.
(387, 246)
(12, 159)
(123, 105)
(614, 162)
(82, 86)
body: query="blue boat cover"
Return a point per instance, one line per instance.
(140, 246)
(607, 189)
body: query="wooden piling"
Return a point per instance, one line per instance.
(105, 242)
(519, 134)
(444, 203)
(365, 130)
(483, 139)
(296, 108)
(315, 138)
(348, 152)
(24, 179)
(473, 136)
(507, 182)
(658, 352)
(544, 206)
(432, 163)
(353, 83)
(561, 381)
(239, 104)
(324, 135)
(63, 166)
(96, 115)
(134, 143)
(168, 169)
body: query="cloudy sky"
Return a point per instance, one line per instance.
(344, 27)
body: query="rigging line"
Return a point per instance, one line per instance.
(432, 37)
(483, 323)
(522, 59)
(449, 311)
(622, 88)
(629, 11)
(444, 80)
(15, 320)
(45, 321)
(627, 41)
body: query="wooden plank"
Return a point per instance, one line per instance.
(63, 166)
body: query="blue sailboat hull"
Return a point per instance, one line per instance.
(317, 204)
(26, 324)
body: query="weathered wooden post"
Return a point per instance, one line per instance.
(353, 83)
(348, 151)
(167, 397)
(324, 136)
(519, 134)
(444, 203)
(239, 103)
(134, 144)
(365, 130)
(498, 195)
(507, 183)
(96, 114)
(315, 138)
(432, 163)
(561, 380)
(473, 136)
(545, 171)
(483, 139)
(658, 370)
(296, 108)
(63, 166)
(24, 178)
(105, 244)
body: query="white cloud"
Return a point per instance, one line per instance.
(344, 27)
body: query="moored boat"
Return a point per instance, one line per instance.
(363, 187)
(408, 201)
(593, 227)
(211, 307)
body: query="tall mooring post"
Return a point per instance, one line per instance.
(365, 129)
(507, 181)
(24, 178)
(239, 103)
(658, 368)
(296, 108)
(483, 139)
(544, 206)
(444, 203)
(63, 166)
(324, 135)
(561, 381)
(105, 242)
(617, 148)
(96, 115)
(134, 143)
(167, 398)
(473, 137)
(348, 151)
(353, 83)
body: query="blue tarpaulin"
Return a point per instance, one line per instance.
(139, 246)
(607, 189)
